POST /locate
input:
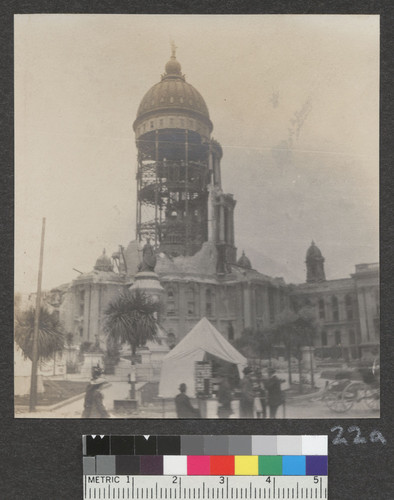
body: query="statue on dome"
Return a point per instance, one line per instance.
(148, 258)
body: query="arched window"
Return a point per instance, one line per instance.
(337, 337)
(190, 299)
(230, 331)
(349, 307)
(81, 302)
(323, 338)
(322, 310)
(352, 337)
(170, 302)
(209, 302)
(335, 308)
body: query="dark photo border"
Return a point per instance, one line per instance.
(42, 458)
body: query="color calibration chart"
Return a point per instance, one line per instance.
(205, 467)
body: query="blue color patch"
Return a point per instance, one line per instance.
(293, 465)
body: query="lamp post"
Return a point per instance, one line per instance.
(131, 380)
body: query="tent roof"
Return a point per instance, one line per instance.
(179, 364)
(205, 337)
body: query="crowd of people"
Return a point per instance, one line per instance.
(256, 393)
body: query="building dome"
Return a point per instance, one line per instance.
(173, 95)
(314, 265)
(173, 67)
(244, 262)
(313, 252)
(103, 263)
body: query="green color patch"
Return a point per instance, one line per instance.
(270, 465)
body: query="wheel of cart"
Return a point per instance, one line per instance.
(371, 378)
(333, 396)
(372, 397)
(360, 391)
(353, 392)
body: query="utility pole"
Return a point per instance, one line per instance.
(34, 365)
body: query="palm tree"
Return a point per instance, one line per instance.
(131, 318)
(50, 336)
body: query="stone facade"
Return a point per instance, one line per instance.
(347, 311)
(179, 190)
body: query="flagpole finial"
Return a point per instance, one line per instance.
(173, 49)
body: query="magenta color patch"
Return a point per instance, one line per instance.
(198, 465)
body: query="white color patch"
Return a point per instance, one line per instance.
(314, 445)
(175, 465)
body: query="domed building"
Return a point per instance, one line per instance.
(314, 264)
(189, 219)
(244, 262)
(103, 263)
(180, 200)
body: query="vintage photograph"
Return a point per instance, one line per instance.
(196, 216)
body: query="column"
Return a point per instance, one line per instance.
(221, 222)
(247, 306)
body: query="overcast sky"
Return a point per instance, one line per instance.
(294, 101)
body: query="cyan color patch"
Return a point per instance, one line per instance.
(293, 465)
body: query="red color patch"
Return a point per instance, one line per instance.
(222, 465)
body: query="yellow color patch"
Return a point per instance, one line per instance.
(246, 465)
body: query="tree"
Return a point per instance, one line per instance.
(130, 318)
(285, 329)
(307, 326)
(50, 336)
(256, 342)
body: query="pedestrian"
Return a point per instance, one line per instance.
(246, 401)
(224, 397)
(261, 395)
(275, 397)
(93, 405)
(184, 408)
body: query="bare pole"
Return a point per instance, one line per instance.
(187, 235)
(34, 365)
(156, 184)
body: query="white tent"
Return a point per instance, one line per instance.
(179, 364)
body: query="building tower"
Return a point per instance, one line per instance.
(180, 204)
(314, 265)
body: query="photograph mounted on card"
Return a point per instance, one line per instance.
(183, 274)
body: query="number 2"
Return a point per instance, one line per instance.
(338, 439)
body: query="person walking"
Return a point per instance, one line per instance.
(246, 401)
(184, 408)
(93, 405)
(275, 397)
(261, 395)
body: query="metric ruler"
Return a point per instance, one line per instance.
(204, 487)
(205, 467)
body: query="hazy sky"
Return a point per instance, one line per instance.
(294, 101)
